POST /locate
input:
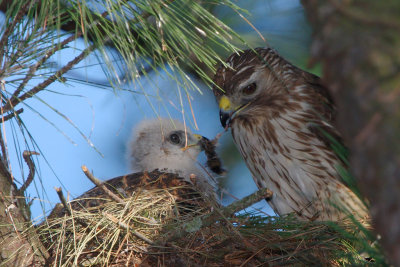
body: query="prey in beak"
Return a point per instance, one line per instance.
(209, 147)
(213, 161)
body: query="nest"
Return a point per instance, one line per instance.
(163, 221)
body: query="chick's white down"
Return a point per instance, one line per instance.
(168, 146)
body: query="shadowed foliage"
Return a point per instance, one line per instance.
(358, 45)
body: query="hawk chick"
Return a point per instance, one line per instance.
(158, 148)
(167, 145)
(282, 123)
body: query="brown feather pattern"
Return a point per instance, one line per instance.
(282, 135)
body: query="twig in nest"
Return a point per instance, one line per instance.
(11, 115)
(62, 199)
(213, 161)
(27, 157)
(126, 227)
(228, 211)
(238, 206)
(67, 207)
(100, 184)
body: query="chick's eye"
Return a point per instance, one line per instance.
(175, 139)
(249, 89)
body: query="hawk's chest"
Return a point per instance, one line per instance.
(280, 147)
(267, 138)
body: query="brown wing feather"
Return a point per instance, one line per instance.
(324, 129)
(325, 107)
(321, 95)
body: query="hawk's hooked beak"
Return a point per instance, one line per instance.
(225, 111)
(224, 117)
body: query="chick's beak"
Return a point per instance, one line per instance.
(197, 142)
(198, 137)
(202, 141)
(224, 110)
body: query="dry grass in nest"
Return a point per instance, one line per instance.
(165, 222)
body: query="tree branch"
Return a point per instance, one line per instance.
(27, 157)
(100, 184)
(22, 11)
(126, 227)
(14, 99)
(13, 102)
(63, 200)
(228, 211)
(11, 115)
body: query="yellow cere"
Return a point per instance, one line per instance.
(197, 136)
(224, 103)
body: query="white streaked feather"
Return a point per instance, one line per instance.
(300, 174)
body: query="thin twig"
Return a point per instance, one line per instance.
(228, 211)
(35, 67)
(11, 115)
(126, 227)
(101, 185)
(236, 206)
(27, 157)
(15, 99)
(62, 199)
(10, 28)
(4, 157)
(13, 102)
(5, 163)
(68, 207)
(46, 56)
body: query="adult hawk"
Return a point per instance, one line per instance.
(282, 123)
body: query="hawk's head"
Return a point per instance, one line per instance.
(252, 78)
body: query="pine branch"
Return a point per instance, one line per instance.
(11, 115)
(18, 17)
(14, 99)
(58, 75)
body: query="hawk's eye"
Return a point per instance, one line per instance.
(249, 89)
(174, 138)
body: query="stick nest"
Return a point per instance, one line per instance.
(164, 221)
